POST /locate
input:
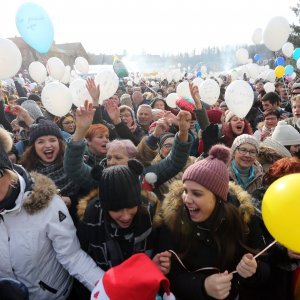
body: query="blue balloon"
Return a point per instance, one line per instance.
(296, 54)
(257, 57)
(35, 26)
(279, 61)
(288, 70)
(199, 74)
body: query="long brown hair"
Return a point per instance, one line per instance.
(227, 228)
(30, 159)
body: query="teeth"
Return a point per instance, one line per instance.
(192, 209)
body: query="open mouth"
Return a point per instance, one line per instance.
(193, 211)
(239, 127)
(49, 154)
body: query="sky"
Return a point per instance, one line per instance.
(152, 26)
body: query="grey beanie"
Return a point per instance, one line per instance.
(32, 108)
(244, 139)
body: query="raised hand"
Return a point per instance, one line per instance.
(160, 128)
(22, 114)
(247, 266)
(196, 96)
(93, 90)
(113, 111)
(84, 118)
(218, 285)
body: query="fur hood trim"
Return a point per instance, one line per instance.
(84, 202)
(6, 140)
(172, 204)
(43, 190)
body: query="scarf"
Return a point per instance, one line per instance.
(92, 159)
(241, 182)
(56, 172)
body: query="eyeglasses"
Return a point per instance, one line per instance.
(125, 115)
(244, 151)
(168, 146)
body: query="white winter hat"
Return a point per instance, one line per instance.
(280, 149)
(286, 134)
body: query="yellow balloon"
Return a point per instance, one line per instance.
(279, 71)
(281, 211)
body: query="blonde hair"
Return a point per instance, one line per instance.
(296, 98)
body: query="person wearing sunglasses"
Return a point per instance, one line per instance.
(244, 169)
(208, 236)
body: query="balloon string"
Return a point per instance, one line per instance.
(261, 252)
(148, 87)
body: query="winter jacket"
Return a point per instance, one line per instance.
(39, 246)
(189, 285)
(107, 243)
(80, 172)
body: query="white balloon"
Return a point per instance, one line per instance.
(109, 83)
(197, 81)
(269, 87)
(67, 75)
(129, 83)
(239, 97)
(176, 74)
(220, 80)
(288, 49)
(82, 65)
(253, 70)
(10, 59)
(209, 91)
(276, 33)
(234, 75)
(37, 71)
(55, 68)
(136, 80)
(294, 75)
(79, 92)
(183, 90)
(242, 56)
(203, 69)
(57, 98)
(171, 100)
(271, 76)
(257, 36)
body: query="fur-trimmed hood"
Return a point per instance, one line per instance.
(83, 202)
(42, 192)
(172, 205)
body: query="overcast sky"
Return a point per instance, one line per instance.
(152, 26)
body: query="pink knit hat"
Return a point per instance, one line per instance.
(212, 172)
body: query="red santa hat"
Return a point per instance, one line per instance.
(135, 279)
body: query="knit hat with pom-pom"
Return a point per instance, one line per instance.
(212, 172)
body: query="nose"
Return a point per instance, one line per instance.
(126, 216)
(186, 198)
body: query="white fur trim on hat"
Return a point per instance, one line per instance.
(280, 149)
(6, 140)
(228, 115)
(286, 134)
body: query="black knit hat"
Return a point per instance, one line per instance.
(42, 128)
(120, 186)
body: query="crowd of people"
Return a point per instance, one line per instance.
(82, 193)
